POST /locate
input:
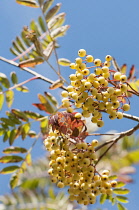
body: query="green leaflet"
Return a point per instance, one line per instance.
(29, 3)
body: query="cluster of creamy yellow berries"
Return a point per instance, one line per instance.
(103, 89)
(72, 164)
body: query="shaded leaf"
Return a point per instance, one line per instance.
(120, 184)
(12, 136)
(32, 62)
(52, 12)
(44, 126)
(33, 115)
(9, 97)
(2, 131)
(112, 177)
(4, 80)
(58, 83)
(11, 159)
(120, 191)
(51, 98)
(103, 198)
(6, 136)
(29, 3)
(60, 31)
(19, 114)
(9, 169)
(121, 207)
(13, 150)
(1, 100)
(64, 62)
(14, 78)
(48, 51)
(13, 118)
(122, 199)
(23, 89)
(7, 121)
(32, 134)
(47, 4)
(57, 20)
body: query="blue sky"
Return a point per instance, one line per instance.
(101, 27)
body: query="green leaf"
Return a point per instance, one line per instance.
(122, 199)
(121, 207)
(14, 150)
(120, 191)
(52, 12)
(120, 184)
(9, 169)
(2, 131)
(29, 3)
(14, 78)
(25, 130)
(28, 159)
(23, 89)
(12, 136)
(7, 121)
(14, 180)
(21, 43)
(51, 98)
(113, 177)
(9, 97)
(42, 24)
(6, 136)
(47, 4)
(133, 156)
(19, 114)
(60, 31)
(44, 126)
(11, 159)
(13, 118)
(1, 100)
(30, 183)
(4, 80)
(103, 198)
(64, 62)
(33, 115)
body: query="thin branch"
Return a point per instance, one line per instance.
(39, 76)
(19, 84)
(115, 140)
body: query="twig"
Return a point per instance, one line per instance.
(115, 140)
(39, 76)
(19, 84)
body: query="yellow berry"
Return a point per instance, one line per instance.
(82, 52)
(78, 115)
(72, 65)
(100, 123)
(108, 58)
(117, 75)
(85, 72)
(64, 93)
(89, 58)
(97, 62)
(78, 60)
(123, 78)
(126, 107)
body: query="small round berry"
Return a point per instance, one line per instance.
(64, 93)
(117, 76)
(87, 85)
(104, 178)
(110, 90)
(82, 66)
(107, 63)
(105, 69)
(72, 65)
(89, 58)
(78, 115)
(69, 88)
(113, 183)
(94, 142)
(97, 62)
(79, 76)
(123, 87)
(98, 71)
(78, 60)
(100, 123)
(126, 107)
(119, 115)
(60, 184)
(85, 72)
(72, 77)
(108, 58)
(123, 78)
(82, 52)
(105, 172)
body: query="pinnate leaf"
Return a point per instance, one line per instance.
(121, 207)
(120, 191)
(122, 199)
(29, 3)
(52, 12)
(11, 159)
(14, 78)
(1, 100)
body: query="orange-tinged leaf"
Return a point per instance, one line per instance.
(58, 83)
(29, 3)
(9, 169)
(32, 62)
(123, 69)
(131, 73)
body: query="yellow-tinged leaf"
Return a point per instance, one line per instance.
(12, 136)
(47, 4)
(123, 69)
(1, 100)
(14, 78)
(64, 62)
(29, 3)
(9, 97)
(120, 184)
(23, 89)
(11, 159)
(134, 85)
(103, 198)
(28, 159)
(32, 62)
(60, 18)
(122, 199)
(13, 150)
(58, 32)
(9, 169)
(121, 207)
(120, 191)
(14, 180)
